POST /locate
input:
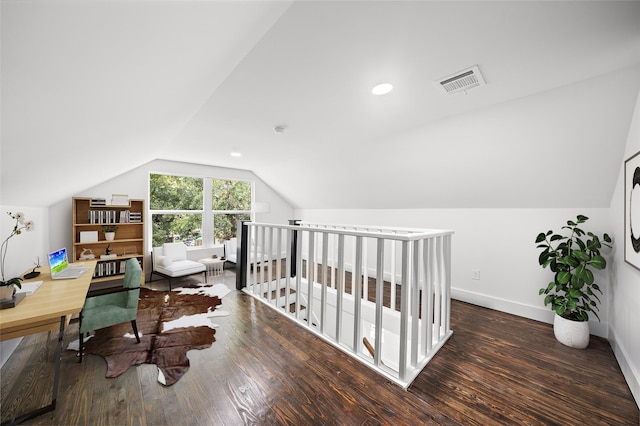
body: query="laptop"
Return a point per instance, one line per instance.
(59, 265)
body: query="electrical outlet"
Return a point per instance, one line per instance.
(475, 274)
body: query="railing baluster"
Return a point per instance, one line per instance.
(259, 249)
(414, 302)
(438, 286)
(325, 281)
(269, 254)
(404, 310)
(427, 298)
(365, 272)
(311, 276)
(278, 266)
(377, 358)
(357, 295)
(287, 281)
(392, 304)
(340, 287)
(447, 282)
(298, 273)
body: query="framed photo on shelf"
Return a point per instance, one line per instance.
(632, 211)
(89, 236)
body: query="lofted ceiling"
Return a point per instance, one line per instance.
(92, 89)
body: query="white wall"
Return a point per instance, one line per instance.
(624, 301)
(135, 183)
(498, 242)
(23, 251)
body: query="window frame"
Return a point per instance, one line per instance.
(207, 213)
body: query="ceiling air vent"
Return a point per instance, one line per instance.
(461, 81)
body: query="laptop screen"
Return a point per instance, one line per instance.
(58, 261)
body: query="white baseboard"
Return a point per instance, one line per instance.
(527, 311)
(630, 374)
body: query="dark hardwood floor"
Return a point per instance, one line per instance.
(264, 369)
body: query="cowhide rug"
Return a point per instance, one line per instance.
(169, 325)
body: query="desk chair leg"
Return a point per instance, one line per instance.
(80, 338)
(135, 330)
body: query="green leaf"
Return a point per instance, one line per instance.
(14, 281)
(594, 244)
(581, 255)
(563, 277)
(598, 262)
(607, 238)
(571, 261)
(582, 218)
(588, 276)
(575, 293)
(543, 258)
(580, 272)
(556, 237)
(541, 237)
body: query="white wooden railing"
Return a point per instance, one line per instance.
(313, 273)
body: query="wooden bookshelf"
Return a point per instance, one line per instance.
(89, 216)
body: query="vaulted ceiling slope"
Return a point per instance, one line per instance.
(93, 89)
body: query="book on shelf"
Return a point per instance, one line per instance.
(102, 216)
(105, 269)
(135, 217)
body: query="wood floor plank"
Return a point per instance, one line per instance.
(496, 369)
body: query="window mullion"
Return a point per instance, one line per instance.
(207, 214)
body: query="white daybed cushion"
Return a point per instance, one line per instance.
(175, 251)
(180, 268)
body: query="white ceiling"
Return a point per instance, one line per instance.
(91, 89)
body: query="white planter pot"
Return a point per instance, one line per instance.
(6, 292)
(109, 236)
(574, 334)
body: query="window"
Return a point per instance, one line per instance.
(197, 211)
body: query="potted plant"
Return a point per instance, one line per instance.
(7, 286)
(109, 232)
(572, 293)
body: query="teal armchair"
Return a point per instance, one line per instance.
(113, 308)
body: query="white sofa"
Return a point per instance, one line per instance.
(170, 261)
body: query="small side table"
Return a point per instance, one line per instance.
(214, 265)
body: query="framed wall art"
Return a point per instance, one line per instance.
(632, 210)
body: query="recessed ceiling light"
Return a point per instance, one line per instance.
(236, 154)
(382, 89)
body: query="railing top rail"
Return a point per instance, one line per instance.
(391, 233)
